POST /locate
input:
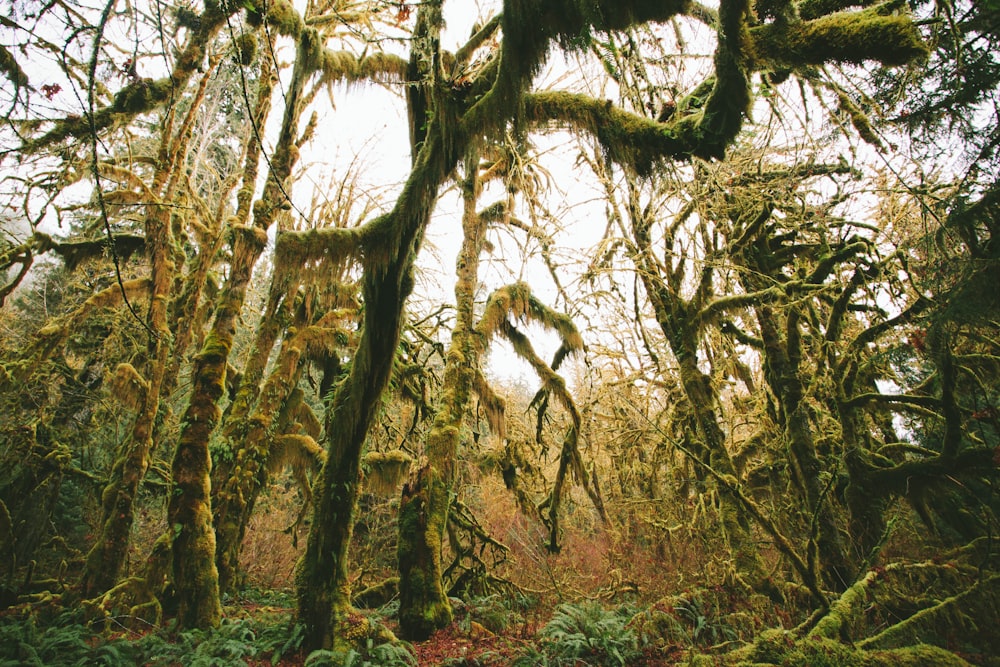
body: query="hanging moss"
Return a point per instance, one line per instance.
(129, 386)
(245, 47)
(385, 471)
(529, 25)
(529, 28)
(516, 301)
(851, 37)
(729, 101)
(77, 252)
(382, 63)
(338, 65)
(812, 9)
(859, 119)
(281, 14)
(626, 138)
(333, 244)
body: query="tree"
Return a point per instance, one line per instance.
(459, 107)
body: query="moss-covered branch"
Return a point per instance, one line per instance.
(296, 251)
(640, 143)
(849, 37)
(516, 301)
(144, 95)
(627, 138)
(926, 621)
(862, 400)
(11, 69)
(531, 26)
(897, 479)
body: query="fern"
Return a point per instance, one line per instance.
(532, 657)
(704, 630)
(325, 658)
(388, 654)
(495, 612)
(391, 654)
(588, 632)
(281, 639)
(65, 641)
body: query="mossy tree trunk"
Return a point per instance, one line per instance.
(390, 244)
(237, 478)
(323, 591)
(681, 321)
(781, 342)
(704, 401)
(255, 454)
(423, 509)
(783, 374)
(107, 556)
(322, 578)
(188, 513)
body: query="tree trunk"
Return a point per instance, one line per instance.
(107, 557)
(237, 495)
(698, 388)
(783, 376)
(188, 514)
(323, 589)
(423, 509)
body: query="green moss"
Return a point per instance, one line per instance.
(852, 37)
(825, 653)
(338, 65)
(143, 95)
(423, 606)
(11, 69)
(530, 27)
(215, 350)
(381, 63)
(134, 98)
(282, 15)
(921, 655)
(245, 46)
(311, 54)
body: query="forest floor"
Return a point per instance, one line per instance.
(459, 645)
(605, 594)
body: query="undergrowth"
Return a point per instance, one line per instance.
(586, 633)
(67, 639)
(373, 655)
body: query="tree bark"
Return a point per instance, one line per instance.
(107, 557)
(390, 243)
(423, 510)
(786, 383)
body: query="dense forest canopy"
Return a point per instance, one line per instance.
(551, 332)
